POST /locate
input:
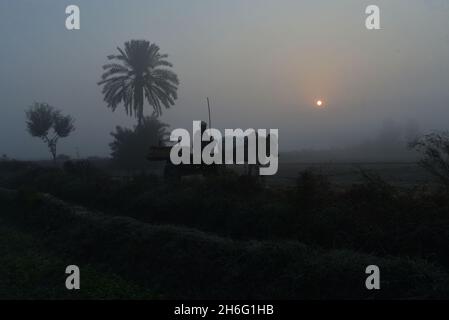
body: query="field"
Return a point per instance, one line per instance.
(404, 174)
(308, 233)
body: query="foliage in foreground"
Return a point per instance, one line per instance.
(29, 271)
(371, 216)
(185, 263)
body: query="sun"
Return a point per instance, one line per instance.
(319, 103)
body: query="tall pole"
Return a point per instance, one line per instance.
(208, 107)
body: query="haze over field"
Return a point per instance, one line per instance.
(263, 63)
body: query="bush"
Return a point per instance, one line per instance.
(130, 147)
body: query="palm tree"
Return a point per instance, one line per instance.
(139, 72)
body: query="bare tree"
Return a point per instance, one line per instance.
(435, 148)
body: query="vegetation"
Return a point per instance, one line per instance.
(137, 73)
(47, 123)
(29, 271)
(312, 239)
(186, 263)
(222, 235)
(435, 147)
(130, 147)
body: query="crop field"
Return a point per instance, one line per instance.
(403, 174)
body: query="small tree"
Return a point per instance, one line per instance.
(435, 149)
(47, 123)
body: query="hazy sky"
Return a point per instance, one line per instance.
(263, 63)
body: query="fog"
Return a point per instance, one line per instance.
(262, 63)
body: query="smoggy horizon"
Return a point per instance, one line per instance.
(263, 65)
